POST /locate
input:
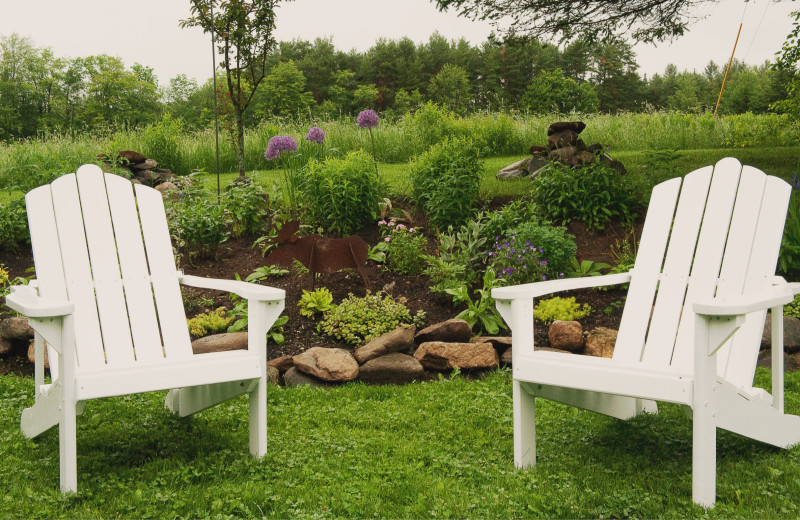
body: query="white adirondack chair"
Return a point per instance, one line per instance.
(708, 260)
(107, 302)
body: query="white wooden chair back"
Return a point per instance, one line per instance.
(715, 232)
(104, 245)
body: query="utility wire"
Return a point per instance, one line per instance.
(763, 14)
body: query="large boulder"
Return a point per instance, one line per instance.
(401, 338)
(454, 331)
(15, 328)
(765, 360)
(791, 334)
(131, 156)
(328, 364)
(566, 335)
(440, 355)
(220, 342)
(282, 363)
(391, 369)
(600, 342)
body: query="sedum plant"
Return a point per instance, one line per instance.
(557, 308)
(358, 320)
(209, 322)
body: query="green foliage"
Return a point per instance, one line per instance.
(789, 258)
(358, 320)
(499, 222)
(238, 316)
(197, 225)
(317, 301)
(451, 89)
(403, 246)
(481, 312)
(460, 257)
(594, 195)
(284, 92)
(210, 322)
(540, 252)
(13, 225)
(341, 195)
(587, 268)
(557, 308)
(6, 283)
(162, 143)
(266, 271)
(550, 92)
(445, 181)
(247, 207)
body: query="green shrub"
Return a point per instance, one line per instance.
(483, 311)
(358, 320)
(461, 256)
(557, 308)
(445, 181)
(594, 194)
(210, 322)
(198, 226)
(789, 258)
(14, 225)
(162, 142)
(341, 195)
(532, 252)
(495, 224)
(318, 300)
(248, 208)
(792, 309)
(404, 247)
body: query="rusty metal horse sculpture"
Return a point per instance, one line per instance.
(317, 253)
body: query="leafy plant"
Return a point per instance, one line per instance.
(594, 194)
(496, 224)
(789, 258)
(445, 181)
(238, 314)
(6, 283)
(481, 312)
(316, 301)
(557, 308)
(612, 307)
(460, 257)
(532, 252)
(267, 271)
(357, 320)
(209, 322)
(162, 143)
(247, 206)
(587, 268)
(792, 309)
(14, 225)
(404, 247)
(197, 225)
(341, 195)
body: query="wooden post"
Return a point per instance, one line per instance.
(725, 79)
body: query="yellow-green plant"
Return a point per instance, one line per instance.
(209, 322)
(557, 308)
(319, 300)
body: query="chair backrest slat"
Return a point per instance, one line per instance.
(135, 274)
(77, 271)
(675, 274)
(636, 314)
(761, 267)
(708, 255)
(166, 287)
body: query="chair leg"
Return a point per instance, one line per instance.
(704, 457)
(524, 427)
(68, 447)
(258, 418)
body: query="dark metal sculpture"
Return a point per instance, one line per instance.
(317, 253)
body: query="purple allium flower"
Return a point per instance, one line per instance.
(316, 135)
(278, 144)
(367, 119)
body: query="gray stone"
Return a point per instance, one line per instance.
(220, 342)
(600, 342)
(440, 355)
(391, 369)
(328, 364)
(455, 331)
(273, 375)
(566, 335)
(6, 346)
(791, 334)
(294, 377)
(401, 338)
(15, 328)
(147, 164)
(507, 356)
(765, 360)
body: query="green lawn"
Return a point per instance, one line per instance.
(429, 450)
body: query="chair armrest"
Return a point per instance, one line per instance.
(249, 291)
(26, 301)
(745, 304)
(536, 289)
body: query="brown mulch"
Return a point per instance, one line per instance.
(240, 257)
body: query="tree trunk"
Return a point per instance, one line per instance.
(240, 142)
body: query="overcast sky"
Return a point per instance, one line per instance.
(147, 31)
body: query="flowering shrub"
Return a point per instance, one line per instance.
(532, 252)
(367, 119)
(404, 247)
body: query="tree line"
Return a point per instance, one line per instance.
(41, 92)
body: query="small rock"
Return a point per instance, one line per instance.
(220, 342)
(273, 375)
(294, 377)
(391, 369)
(500, 343)
(507, 356)
(165, 187)
(15, 328)
(600, 342)
(328, 364)
(560, 126)
(131, 156)
(791, 334)
(147, 164)
(454, 331)
(440, 355)
(765, 360)
(562, 139)
(282, 363)
(539, 151)
(6, 346)
(566, 335)
(401, 338)
(32, 355)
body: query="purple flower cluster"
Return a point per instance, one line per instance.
(316, 135)
(279, 144)
(517, 261)
(367, 119)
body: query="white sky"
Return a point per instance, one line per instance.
(147, 31)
